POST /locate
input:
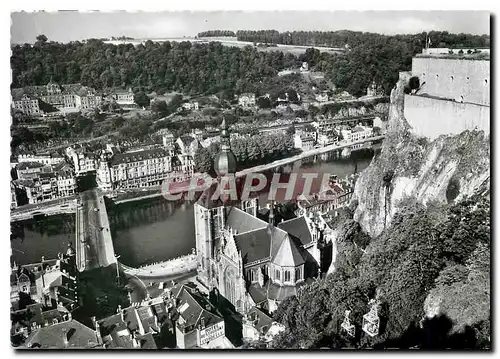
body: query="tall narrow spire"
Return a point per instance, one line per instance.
(271, 214)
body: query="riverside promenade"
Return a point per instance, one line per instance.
(163, 270)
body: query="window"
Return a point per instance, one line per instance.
(297, 274)
(277, 276)
(287, 276)
(451, 77)
(486, 81)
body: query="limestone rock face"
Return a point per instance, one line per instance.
(409, 168)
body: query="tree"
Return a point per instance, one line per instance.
(41, 39)
(141, 99)
(264, 102)
(175, 102)
(414, 83)
(203, 160)
(160, 107)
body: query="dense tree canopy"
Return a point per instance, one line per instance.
(216, 69)
(440, 253)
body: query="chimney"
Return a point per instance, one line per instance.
(135, 342)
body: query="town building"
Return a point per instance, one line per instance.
(303, 142)
(124, 97)
(129, 328)
(374, 90)
(83, 160)
(198, 324)
(336, 195)
(322, 96)
(65, 98)
(26, 104)
(188, 144)
(259, 326)
(358, 133)
(47, 160)
(143, 168)
(252, 262)
(45, 182)
(13, 196)
(246, 100)
(67, 334)
(191, 106)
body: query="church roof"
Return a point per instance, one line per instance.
(298, 228)
(288, 255)
(254, 245)
(243, 221)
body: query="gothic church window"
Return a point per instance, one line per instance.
(287, 276)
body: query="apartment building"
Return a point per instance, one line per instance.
(143, 168)
(25, 104)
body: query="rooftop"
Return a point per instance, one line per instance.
(138, 156)
(66, 335)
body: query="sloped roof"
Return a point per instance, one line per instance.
(138, 156)
(78, 336)
(254, 245)
(25, 165)
(193, 307)
(260, 320)
(288, 255)
(257, 293)
(298, 228)
(243, 221)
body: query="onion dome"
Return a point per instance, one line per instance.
(225, 161)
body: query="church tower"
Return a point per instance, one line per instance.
(209, 216)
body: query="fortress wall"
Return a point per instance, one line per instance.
(452, 78)
(431, 117)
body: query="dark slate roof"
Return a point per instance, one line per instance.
(25, 165)
(257, 293)
(138, 156)
(298, 228)
(243, 221)
(280, 293)
(186, 140)
(260, 320)
(120, 331)
(78, 336)
(192, 307)
(254, 245)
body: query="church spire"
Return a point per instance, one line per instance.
(225, 161)
(271, 214)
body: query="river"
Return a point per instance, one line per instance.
(153, 230)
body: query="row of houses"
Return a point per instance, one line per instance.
(41, 182)
(65, 98)
(181, 317)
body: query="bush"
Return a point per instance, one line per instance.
(414, 83)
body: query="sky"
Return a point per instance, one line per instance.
(64, 26)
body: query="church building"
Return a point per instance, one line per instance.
(249, 261)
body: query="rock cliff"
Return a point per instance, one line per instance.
(410, 168)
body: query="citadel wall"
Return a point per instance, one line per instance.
(454, 96)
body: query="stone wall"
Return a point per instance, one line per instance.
(454, 78)
(432, 117)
